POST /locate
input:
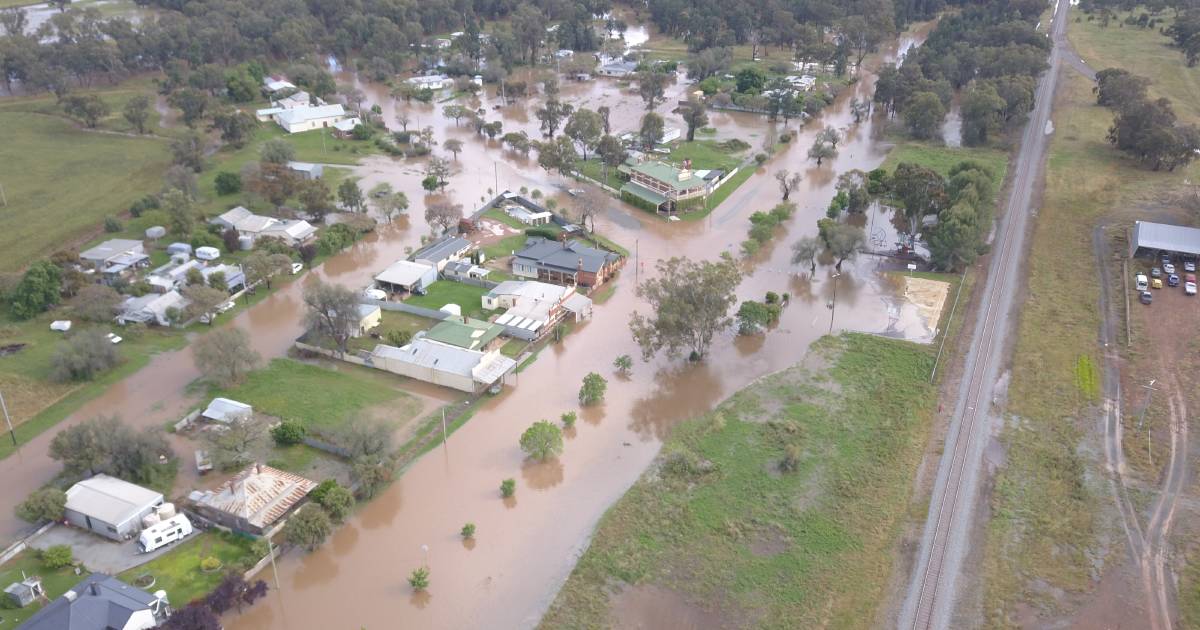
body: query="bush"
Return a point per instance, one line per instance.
(398, 338)
(419, 579)
(468, 530)
(544, 232)
(210, 564)
(337, 500)
(542, 440)
(228, 183)
(760, 158)
(508, 487)
(149, 202)
(593, 389)
(82, 357)
(112, 225)
(206, 239)
(289, 432)
(568, 419)
(57, 556)
(308, 527)
(46, 504)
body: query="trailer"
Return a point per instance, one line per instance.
(164, 533)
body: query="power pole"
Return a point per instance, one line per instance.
(11, 433)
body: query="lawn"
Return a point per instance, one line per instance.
(942, 158)
(718, 522)
(705, 154)
(392, 321)
(468, 297)
(319, 397)
(69, 181)
(504, 247)
(178, 572)
(55, 581)
(722, 193)
(594, 169)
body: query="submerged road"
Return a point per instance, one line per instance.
(932, 590)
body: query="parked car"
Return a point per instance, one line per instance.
(1156, 283)
(1146, 297)
(1190, 277)
(1189, 265)
(1173, 280)
(1168, 267)
(1142, 283)
(1155, 272)
(375, 294)
(226, 307)
(297, 268)
(1189, 288)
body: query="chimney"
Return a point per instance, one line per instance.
(257, 468)
(95, 588)
(579, 265)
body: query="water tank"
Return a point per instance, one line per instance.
(166, 511)
(150, 520)
(156, 232)
(245, 243)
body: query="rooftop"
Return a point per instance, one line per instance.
(109, 499)
(442, 249)
(1172, 238)
(472, 334)
(305, 114)
(676, 178)
(99, 602)
(405, 273)
(226, 410)
(433, 354)
(259, 494)
(571, 255)
(110, 248)
(643, 193)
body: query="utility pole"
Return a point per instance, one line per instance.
(1149, 396)
(11, 433)
(444, 433)
(833, 305)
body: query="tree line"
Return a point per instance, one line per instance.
(1145, 128)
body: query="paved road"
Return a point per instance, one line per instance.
(946, 540)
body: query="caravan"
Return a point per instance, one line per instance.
(164, 533)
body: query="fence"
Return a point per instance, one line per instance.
(475, 282)
(187, 420)
(407, 308)
(23, 544)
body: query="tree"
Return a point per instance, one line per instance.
(224, 356)
(439, 169)
(455, 111)
(288, 432)
(844, 241)
(419, 579)
(542, 440)
(189, 151)
(921, 190)
(315, 198)
(365, 437)
(96, 303)
(82, 356)
(195, 616)
(517, 141)
(788, 183)
(332, 311)
(468, 531)
(558, 155)
(277, 151)
(753, 316)
(590, 203)
(982, 111)
(351, 195)
(203, 302)
(238, 443)
(508, 487)
(338, 501)
(612, 153)
(690, 303)
(829, 135)
(805, 250)
(137, 112)
(44, 504)
(1119, 89)
(259, 266)
(750, 80)
(651, 131)
(605, 113)
(453, 145)
(39, 289)
(923, 115)
(391, 204)
(592, 390)
(191, 102)
(694, 116)
(235, 127)
(234, 592)
(443, 214)
(228, 183)
(402, 119)
(551, 115)
(821, 151)
(709, 62)
(57, 556)
(623, 363)
(585, 128)
(859, 109)
(372, 474)
(308, 527)
(430, 183)
(81, 448)
(90, 109)
(651, 87)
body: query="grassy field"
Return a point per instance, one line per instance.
(55, 581)
(594, 169)
(716, 520)
(1043, 532)
(178, 572)
(704, 154)
(69, 181)
(468, 297)
(942, 158)
(318, 397)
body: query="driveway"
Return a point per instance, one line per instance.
(98, 553)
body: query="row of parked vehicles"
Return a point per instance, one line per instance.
(1169, 273)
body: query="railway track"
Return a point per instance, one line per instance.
(932, 589)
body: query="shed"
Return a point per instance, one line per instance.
(1151, 238)
(25, 592)
(179, 248)
(226, 411)
(369, 316)
(110, 507)
(307, 170)
(442, 251)
(406, 275)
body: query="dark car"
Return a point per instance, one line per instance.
(1146, 297)
(1173, 280)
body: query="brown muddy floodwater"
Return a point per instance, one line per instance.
(526, 547)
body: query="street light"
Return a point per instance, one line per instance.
(833, 305)
(11, 433)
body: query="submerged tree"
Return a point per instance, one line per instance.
(542, 440)
(690, 302)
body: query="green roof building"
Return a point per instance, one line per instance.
(668, 188)
(464, 332)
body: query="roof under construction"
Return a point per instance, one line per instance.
(259, 494)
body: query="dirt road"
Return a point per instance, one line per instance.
(932, 588)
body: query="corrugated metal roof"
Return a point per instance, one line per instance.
(405, 273)
(259, 494)
(109, 499)
(1173, 238)
(432, 354)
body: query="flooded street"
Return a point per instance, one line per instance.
(525, 547)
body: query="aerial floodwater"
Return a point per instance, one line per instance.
(526, 546)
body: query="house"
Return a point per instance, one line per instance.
(369, 316)
(251, 227)
(443, 364)
(465, 332)
(172, 275)
(300, 119)
(442, 43)
(431, 82)
(670, 134)
(110, 507)
(464, 270)
(526, 216)
(226, 411)
(618, 68)
(293, 232)
(296, 100)
(442, 251)
(235, 278)
(113, 251)
(406, 276)
(668, 188)
(534, 307)
(102, 602)
(275, 85)
(804, 82)
(345, 128)
(307, 170)
(152, 308)
(267, 113)
(564, 53)
(254, 500)
(569, 263)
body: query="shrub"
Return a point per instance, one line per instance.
(542, 440)
(206, 239)
(45, 504)
(57, 556)
(623, 363)
(419, 579)
(568, 419)
(547, 233)
(791, 458)
(468, 530)
(82, 357)
(288, 432)
(308, 527)
(228, 183)
(508, 487)
(149, 202)
(760, 158)
(592, 390)
(112, 225)
(337, 500)
(398, 338)
(210, 564)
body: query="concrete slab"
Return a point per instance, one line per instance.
(98, 553)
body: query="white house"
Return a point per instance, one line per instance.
(301, 119)
(432, 81)
(406, 275)
(276, 84)
(297, 100)
(152, 308)
(251, 227)
(443, 364)
(617, 69)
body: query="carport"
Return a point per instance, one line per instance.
(1150, 238)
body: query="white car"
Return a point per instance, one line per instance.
(1141, 282)
(1189, 288)
(61, 325)
(374, 294)
(297, 268)
(1168, 268)
(226, 307)
(1189, 266)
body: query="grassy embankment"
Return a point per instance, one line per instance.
(718, 522)
(1044, 528)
